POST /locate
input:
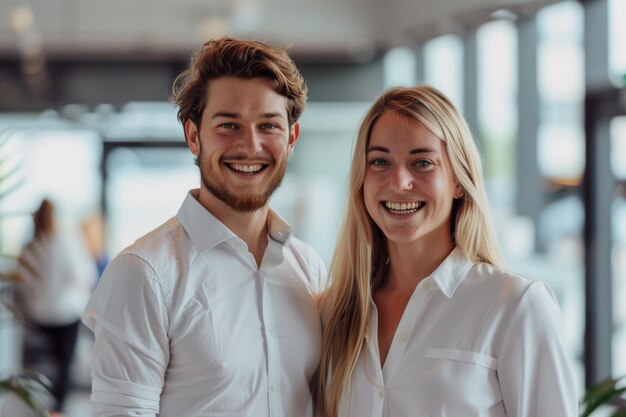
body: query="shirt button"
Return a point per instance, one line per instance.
(381, 393)
(403, 337)
(273, 387)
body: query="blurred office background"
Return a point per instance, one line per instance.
(85, 121)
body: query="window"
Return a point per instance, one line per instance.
(497, 108)
(617, 40)
(443, 59)
(400, 67)
(618, 164)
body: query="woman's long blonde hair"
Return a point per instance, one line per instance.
(361, 249)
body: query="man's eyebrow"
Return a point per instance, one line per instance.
(231, 115)
(225, 114)
(271, 115)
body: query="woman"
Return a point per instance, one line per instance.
(420, 318)
(55, 277)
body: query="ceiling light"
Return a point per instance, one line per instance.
(504, 14)
(21, 19)
(211, 28)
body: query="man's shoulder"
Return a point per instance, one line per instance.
(309, 261)
(303, 249)
(299, 244)
(159, 247)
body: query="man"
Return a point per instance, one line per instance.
(213, 312)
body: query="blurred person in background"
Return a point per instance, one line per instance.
(213, 313)
(55, 278)
(93, 229)
(421, 318)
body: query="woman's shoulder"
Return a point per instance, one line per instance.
(507, 284)
(491, 274)
(491, 293)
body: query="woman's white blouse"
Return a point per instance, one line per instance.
(473, 341)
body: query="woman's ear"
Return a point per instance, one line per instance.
(459, 192)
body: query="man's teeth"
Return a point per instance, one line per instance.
(246, 168)
(402, 206)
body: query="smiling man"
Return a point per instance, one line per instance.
(213, 312)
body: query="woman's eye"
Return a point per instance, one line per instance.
(378, 162)
(423, 163)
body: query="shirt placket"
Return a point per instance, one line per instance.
(378, 381)
(274, 366)
(404, 335)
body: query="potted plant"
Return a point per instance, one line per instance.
(604, 393)
(24, 385)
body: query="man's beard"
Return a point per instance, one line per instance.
(239, 201)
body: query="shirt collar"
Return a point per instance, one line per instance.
(206, 231)
(451, 272)
(203, 228)
(279, 229)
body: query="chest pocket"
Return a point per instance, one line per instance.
(463, 379)
(465, 356)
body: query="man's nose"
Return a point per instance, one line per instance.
(251, 142)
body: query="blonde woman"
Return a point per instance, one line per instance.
(421, 319)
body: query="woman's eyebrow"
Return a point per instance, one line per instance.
(377, 148)
(421, 150)
(411, 152)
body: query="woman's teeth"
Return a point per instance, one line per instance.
(402, 207)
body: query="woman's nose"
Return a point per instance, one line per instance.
(401, 179)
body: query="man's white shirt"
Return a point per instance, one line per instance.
(474, 341)
(187, 324)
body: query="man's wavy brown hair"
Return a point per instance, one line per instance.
(228, 57)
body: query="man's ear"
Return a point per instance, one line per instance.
(294, 134)
(192, 137)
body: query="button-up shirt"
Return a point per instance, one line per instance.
(473, 341)
(187, 324)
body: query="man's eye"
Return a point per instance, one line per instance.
(228, 125)
(269, 126)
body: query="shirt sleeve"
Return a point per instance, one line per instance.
(322, 276)
(533, 369)
(311, 264)
(128, 316)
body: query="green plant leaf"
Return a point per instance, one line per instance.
(24, 387)
(10, 168)
(11, 309)
(599, 388)
(601, 394)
